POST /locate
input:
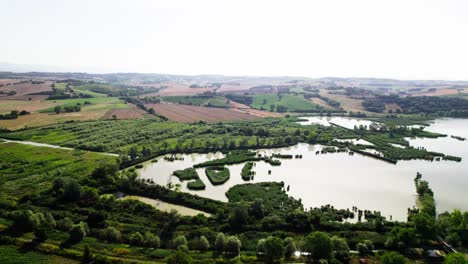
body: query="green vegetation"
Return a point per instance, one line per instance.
(61, 202)
(186, 174)
(439, 106)
(190, 174)
(208, 100)
(272, 194)
(196, 185)
(10, 254)
(28, 170)
(217, 175)
(247, 172)
(233, 157)
(284, 103)
(84, 102)
(382, 137)
(14, 114)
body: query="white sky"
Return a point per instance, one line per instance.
(407, 39)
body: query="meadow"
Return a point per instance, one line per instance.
(28, 170)
(284, 103)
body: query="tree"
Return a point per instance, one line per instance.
(151, 111)
(87, 258)
(238, 217)
(393, 258)
(50, 221)
(455, 258)
(362, 249)
(133, 153)
(318, 244)
(260, 247)
(66, 224)
(369, 245)
(136, 239)
(273, 250)
(152, 240)
(233, 246)
(58, 109)
(180, 257)
(257, 208)
(203, 244)
(340, 249)
(220, 243)
(40, 233)
(105, 172)
(111, 234)
(72, 191)
(78, 232)
(424, 224)
(289, 247)
(179, 241)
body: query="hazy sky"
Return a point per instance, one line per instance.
(408, 39)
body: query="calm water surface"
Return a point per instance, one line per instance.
(345, 181)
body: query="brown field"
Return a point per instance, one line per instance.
(31, 106)
(392, 107)
(178, 89)
(42, 119)
(439, 92)
(322, 103)
(92, 112)
(349, 104)
(234, 88)
(27, 88)
(9, 81)
(124, 113)
(248, 110)
(190, 113)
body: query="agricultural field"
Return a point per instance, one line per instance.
(189, 113)
(25, 90)
(208, 101)
(177, 89)
(249, 110)
(284, 103)
(348, 103)
(42, 112)
(440, 92)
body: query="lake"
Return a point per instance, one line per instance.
(343, 180)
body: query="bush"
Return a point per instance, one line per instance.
(179, 241)
(186, 174)
(136, 239)
(393, 258)
(196, 185)
(220, 243)
(217, 175)
(233, 246)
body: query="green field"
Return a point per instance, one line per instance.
(60, 85)
(110, 102)
(198, 100)
(25, 169)
(89, 92)
(289, 102)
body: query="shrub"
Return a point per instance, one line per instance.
(217, 175)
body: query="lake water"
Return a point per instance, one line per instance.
(343, 180)
(347, 122)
